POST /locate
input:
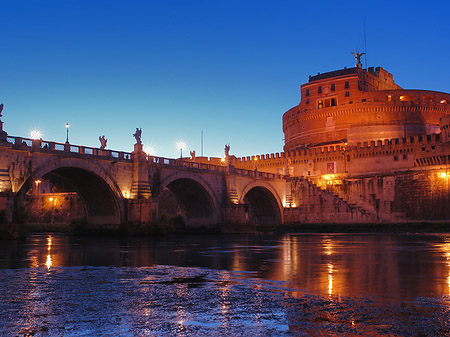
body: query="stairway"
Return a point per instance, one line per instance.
(368, 214)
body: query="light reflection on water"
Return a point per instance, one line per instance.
(393, 267)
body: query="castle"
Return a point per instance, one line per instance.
(365, 141)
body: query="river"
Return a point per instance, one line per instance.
(226, 285)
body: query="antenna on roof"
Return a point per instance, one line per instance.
(365, 49)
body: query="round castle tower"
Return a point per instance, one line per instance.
(356, 105)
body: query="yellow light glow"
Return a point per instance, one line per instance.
(293, 204)
(442, 174)
(51, 199)
(126, 194)
(49, 261)
(256, 158)
(330, 279)
(222, 160)
(327, 177)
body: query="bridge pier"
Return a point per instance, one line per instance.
(142, 210)
(140, 188)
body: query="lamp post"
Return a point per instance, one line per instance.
(67, 133)
(181, 145)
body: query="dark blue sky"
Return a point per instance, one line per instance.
(175, 68)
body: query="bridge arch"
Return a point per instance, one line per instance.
(199, 203)
(262, 203)
(102, 197)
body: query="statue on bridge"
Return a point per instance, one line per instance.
(103, 142)
(227, 150)
(192, 155)
(137, 136)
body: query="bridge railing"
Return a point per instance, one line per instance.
(46, 146)
(184, 163)
(210, 167)
(256, 173)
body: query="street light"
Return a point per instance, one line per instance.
(181, 145)
(35, 134)
(67, 133)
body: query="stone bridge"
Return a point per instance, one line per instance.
(119, 187)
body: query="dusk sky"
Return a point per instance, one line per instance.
(175, 68)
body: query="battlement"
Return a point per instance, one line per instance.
(348, 158)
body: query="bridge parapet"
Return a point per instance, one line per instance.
(178, 163)
(190, 165)
(40, 145)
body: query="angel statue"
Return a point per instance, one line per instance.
(192, 155)
(137, 136)
(358, 58)
(103, 142)
(227, 150)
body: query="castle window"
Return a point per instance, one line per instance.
(307, 101)
(347, 85)
(389, 98)
(444, 101)
(347, 93)
(319, 90)
(395, 158)
(363, 100)
(407, 98)
(307, 93)
(327, 102)
(333, 88)
(405, 156)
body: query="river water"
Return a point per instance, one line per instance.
(227, 285)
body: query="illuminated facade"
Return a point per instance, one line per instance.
(357, 105)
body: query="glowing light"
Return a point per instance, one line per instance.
(51, 199)
(293, 204)
(35, 134)
(442, 174)
(149, 149)
(222, 160)
(327, 177)
(444, 101)
(181, 145)
(126, 194)
(256, 158)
